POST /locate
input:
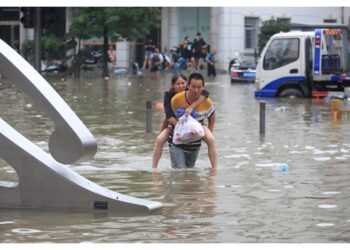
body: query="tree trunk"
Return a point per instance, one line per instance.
(105, 72)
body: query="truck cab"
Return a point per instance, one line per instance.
(301, 64)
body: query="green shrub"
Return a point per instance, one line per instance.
(51, 46)
(268, 29)
(27, 49)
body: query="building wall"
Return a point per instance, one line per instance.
(170, 36)
(227, 31)
(192, 20)
(123, 54)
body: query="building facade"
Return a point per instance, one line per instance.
(233, 31)
(10, 26)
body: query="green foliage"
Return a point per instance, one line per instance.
(130, 23)
(113, 23)
(269, 28)
(51, 45)
(27, 48)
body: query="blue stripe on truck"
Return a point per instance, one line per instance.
(271, 88)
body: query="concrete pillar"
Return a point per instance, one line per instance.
(174, 38)
(214, 32)
(170, 27)
(223, 40)
(123, 54)
(25, 34)
(164, 40)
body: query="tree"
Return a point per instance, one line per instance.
(269, 28)
(113, 23)
(27, 50)
(52, 46)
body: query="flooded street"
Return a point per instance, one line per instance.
(249, 198)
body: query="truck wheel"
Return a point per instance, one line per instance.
(291, 93)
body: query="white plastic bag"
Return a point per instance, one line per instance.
(187, 130)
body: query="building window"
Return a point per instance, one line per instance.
(330, 20)
(251, 25)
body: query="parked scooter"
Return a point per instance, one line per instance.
(53, 68)
(95, 60)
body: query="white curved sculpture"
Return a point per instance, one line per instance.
(44, 181)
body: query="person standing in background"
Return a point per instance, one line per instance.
(187, 52)
(205, 50)
(198, 45)
(112, 55)
(149, 50)
(211, 60)
(156, 61)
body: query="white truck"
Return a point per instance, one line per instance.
(304, 64)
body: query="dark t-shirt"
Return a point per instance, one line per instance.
(186, 50)
(197, 45)
(149, 47)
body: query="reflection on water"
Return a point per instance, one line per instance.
(190, 206)
(248, 199)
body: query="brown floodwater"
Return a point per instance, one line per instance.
(249, 198)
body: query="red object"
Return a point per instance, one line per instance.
(159, 105)
(319, 94)
(234, 73)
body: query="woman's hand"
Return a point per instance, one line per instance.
(188, 111)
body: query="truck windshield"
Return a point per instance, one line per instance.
(281, 52)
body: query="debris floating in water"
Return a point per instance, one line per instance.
(228, 186)
(327, 206)
(274, 190)
(6, 222)
(281, 166)
(325, 224)
(322, 158)
(25, 230)
(331, 192)
(282, 109)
